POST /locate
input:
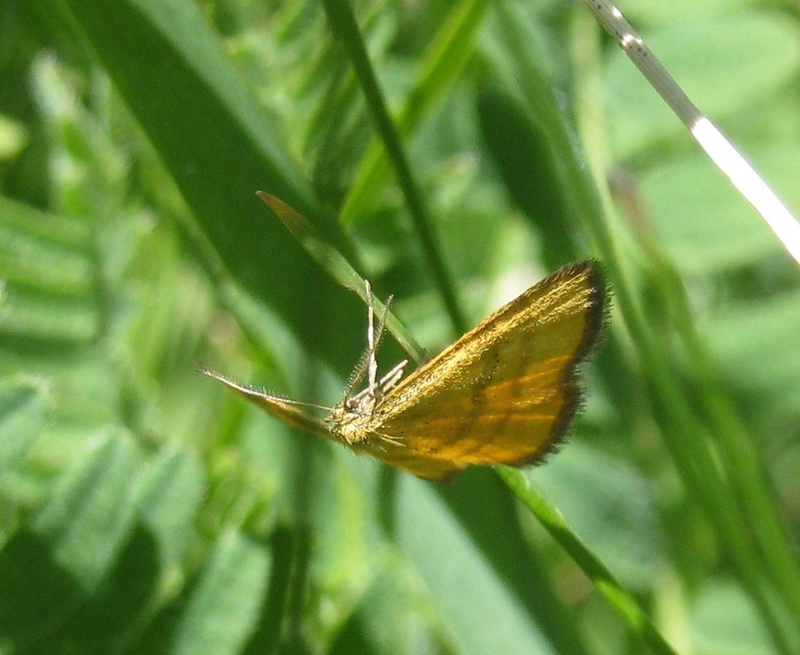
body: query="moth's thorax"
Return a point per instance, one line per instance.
(351, 419)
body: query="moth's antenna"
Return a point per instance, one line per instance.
(729, 160)
(368, 363)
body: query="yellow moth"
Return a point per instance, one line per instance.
(504, 393)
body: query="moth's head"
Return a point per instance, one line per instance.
(349, 419)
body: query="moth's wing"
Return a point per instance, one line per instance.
(504, 392)
(431, 468)
(281, 408)
(293, 415)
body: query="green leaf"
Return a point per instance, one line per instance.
(610, 506)
(220, 614)
(702, 223)
(761, 52)
(727, 623)
(88, 517)
(163, 59)
(21, 418)
(48, 273)
(756, 347)
(655, 12)
(48, 569)
(439, 67)
(169, 496)
(460, 582)
(44, 251)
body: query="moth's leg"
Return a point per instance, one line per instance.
(380, 332)
(391, 379)
(367, 363)
(390, 438)
(372, 364)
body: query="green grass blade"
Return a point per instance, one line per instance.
(624, 602)
(440, 66)
(344, 25)
(163, 59)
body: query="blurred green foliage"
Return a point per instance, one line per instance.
(145, 509)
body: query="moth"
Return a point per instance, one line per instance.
(506, 392)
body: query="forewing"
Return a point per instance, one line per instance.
(503, 393)
(281, 408)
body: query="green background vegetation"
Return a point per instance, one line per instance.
(146, 509)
